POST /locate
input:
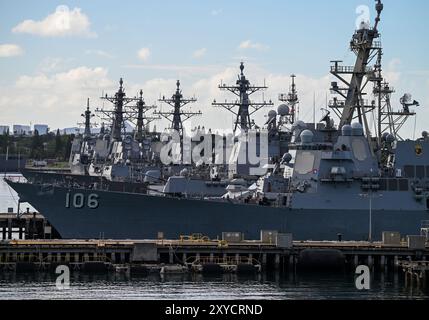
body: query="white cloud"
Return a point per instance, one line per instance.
(144, 54)
(391, 73)
(54, 64)
(63, 22)
(100, 53)
(427, 90)
(199, 53)
(10, 50)
(56, 99)
(182, 70)
(249, 44)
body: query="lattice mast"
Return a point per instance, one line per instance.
(141, 118)
(120, 113)
(87, 115)
(291, 100)
(389, 120)
(365, 47)
(177, 116)
(243, 89)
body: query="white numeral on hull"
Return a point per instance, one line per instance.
(77, 201)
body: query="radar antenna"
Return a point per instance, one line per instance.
(243, 90)
(178, 115)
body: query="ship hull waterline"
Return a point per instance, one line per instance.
(137, 216)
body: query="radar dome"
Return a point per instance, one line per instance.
(357, 129)
(390, 138)
(347, 130)
(283, 110)
(306, 137)
(287, 157)
(272, 114)
(299, 125)
(384, 136)
(184, 172)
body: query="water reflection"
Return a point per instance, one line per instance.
(270, 285)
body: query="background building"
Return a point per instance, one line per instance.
(21, 130)
(42, 129)
(4, 129)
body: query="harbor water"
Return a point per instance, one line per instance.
(198, 287)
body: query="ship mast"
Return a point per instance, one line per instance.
(178, 115)
(140, 109)
(389, 120)
(87, 115)
(118, 115)
(365, 47)
(243, 90)
(291, 100)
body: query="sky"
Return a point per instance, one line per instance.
(54, 55)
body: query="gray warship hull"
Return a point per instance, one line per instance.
(137, 216)
(46, 177)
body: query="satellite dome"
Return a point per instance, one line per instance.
(406, 98)
(272, 114)
(390, 138)
(384, 136)
(287, 157)
(347, 130)
(299, 125)
(306, 137)
(283, 110)
(184, 172)
(357, 129)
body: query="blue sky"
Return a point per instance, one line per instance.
(283, 37)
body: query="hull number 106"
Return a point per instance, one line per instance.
(79, 201)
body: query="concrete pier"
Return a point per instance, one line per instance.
(267, 255)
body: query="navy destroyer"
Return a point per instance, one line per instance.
(328, 180)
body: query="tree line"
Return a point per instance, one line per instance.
(38, 147)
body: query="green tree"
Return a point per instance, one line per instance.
(4, 141)
(59, 152)
(37, 150)
(68, 147)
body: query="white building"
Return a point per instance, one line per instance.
(4, 129)
(69, 131)
(21, 129)
(42, 129)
